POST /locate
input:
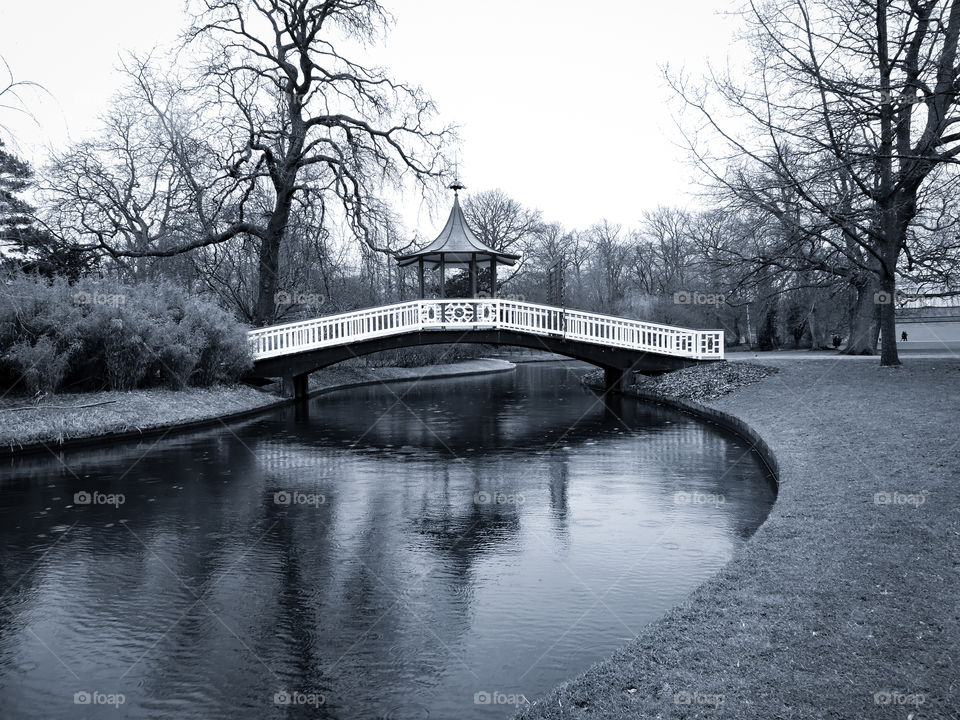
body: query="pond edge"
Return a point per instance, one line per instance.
(724, 420)
(416, 374)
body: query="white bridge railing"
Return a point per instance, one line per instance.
(485, 314)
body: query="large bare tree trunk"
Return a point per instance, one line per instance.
(270, 258)
(863, 314)
(267, 285)
(887, 324)
(818, 338)
(896, 210)
(889, 355)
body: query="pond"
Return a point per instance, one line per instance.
(444, 549)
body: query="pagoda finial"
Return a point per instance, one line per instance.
(456, 185)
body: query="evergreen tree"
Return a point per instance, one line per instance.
(16, 214)
(23, 242)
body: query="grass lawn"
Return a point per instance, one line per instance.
(846, 602)
(73, 415)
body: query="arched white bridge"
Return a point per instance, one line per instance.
(619, 345)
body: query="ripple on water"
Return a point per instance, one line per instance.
(588, 522)
(407, 711)
(461, 591)
(25, 667)
(645, 522)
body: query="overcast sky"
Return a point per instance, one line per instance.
(561, 103)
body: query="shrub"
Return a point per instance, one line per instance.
(97, 334)
(177, 364)
(128, 356)
(224, 349)
(40, 366)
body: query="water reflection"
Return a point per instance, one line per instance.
(487, 535)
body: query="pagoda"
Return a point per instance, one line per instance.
(457, 247)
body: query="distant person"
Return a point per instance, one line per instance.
(903, 336)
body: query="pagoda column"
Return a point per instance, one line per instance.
(473, 275)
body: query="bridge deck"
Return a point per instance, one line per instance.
(485, 314)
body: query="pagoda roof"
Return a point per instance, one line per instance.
(456, 245)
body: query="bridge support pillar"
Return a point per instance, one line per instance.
(295, 386)
(617, 379)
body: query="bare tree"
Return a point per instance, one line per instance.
(504, 224)
(662, 251)
(608, 251)
(500, 221)
(12, 95)
(125, 190)
(277, 110)
(778, 237)
(549, 244)
(853, 103)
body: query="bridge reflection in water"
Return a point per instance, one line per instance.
(466, 529)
